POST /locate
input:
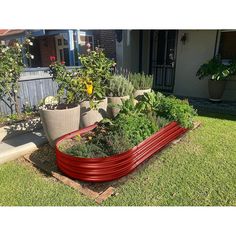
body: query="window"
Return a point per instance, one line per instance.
(227, 47)
(83, 40)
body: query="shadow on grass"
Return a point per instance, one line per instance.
(217, 115)
(44, 161)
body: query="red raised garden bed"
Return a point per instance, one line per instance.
(116, 166)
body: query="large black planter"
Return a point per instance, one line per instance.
(216, 89)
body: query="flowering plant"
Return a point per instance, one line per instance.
(11, 66)
(95, 73)
(68, 81)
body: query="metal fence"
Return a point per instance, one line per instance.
(34, 85)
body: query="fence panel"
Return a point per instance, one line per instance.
(32, 91)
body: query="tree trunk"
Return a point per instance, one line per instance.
(17, 107)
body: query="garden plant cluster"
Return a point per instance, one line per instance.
(134, 123)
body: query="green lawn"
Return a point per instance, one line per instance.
(200, 170)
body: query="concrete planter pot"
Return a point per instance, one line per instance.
(18, 128)
(216, 89)
(90, 116)
(59, 122)
(139, 93)
(113, 111)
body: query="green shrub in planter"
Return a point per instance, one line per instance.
(170, 108)
(119, 86)
(141, 81)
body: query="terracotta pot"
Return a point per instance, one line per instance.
(113, 111)
(90, 116)
(139, 93)
(216, 89)
(59, 122)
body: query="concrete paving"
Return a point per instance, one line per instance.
(17, 146)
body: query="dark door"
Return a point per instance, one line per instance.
(163, 55)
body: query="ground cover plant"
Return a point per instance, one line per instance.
(27, 114)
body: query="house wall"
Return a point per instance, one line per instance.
(106, 39)
(127, 51)
(146, 51)
(198, 48)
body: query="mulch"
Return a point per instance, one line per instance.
(44, 159)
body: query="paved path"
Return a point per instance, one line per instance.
(205, 105)
(17, 146)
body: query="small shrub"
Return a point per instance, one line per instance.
(136, 127)
(113, 141)
(85, 150)
(171, 108)
(141, 81)
(119, 86)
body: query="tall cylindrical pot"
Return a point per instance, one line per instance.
(113, 111)
(59, 122)
(89, 116)
(216, 89)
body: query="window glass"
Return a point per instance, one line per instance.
(227, 49)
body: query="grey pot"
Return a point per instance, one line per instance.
(140, 92)
(111, 110)
(59, 122)
(90, 116)
(216, 89)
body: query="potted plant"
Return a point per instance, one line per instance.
(119, 89)
(95, 71)
(142, 84)
(61, 114)
(217, 74)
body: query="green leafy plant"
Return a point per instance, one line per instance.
(11, 66)
(171, 108)
(119, 86)
(70, 84)
(136, 127)
(141, 81)
(128, 107)
(95, 72)
(216, 70)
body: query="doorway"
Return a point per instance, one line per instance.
(162, 57)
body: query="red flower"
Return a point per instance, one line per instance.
(52, 58)
(62, 62)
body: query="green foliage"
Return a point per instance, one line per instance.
(136, 127)
(11, 66)
(216, 70)
(119, 86)
(70, 85)
(170, 108)
(96, 70)
(128, 107)
(141, 81)
(85, 150)
(113, 141)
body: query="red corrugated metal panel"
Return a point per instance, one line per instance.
(116, 166)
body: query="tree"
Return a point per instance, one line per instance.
(11, 66)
